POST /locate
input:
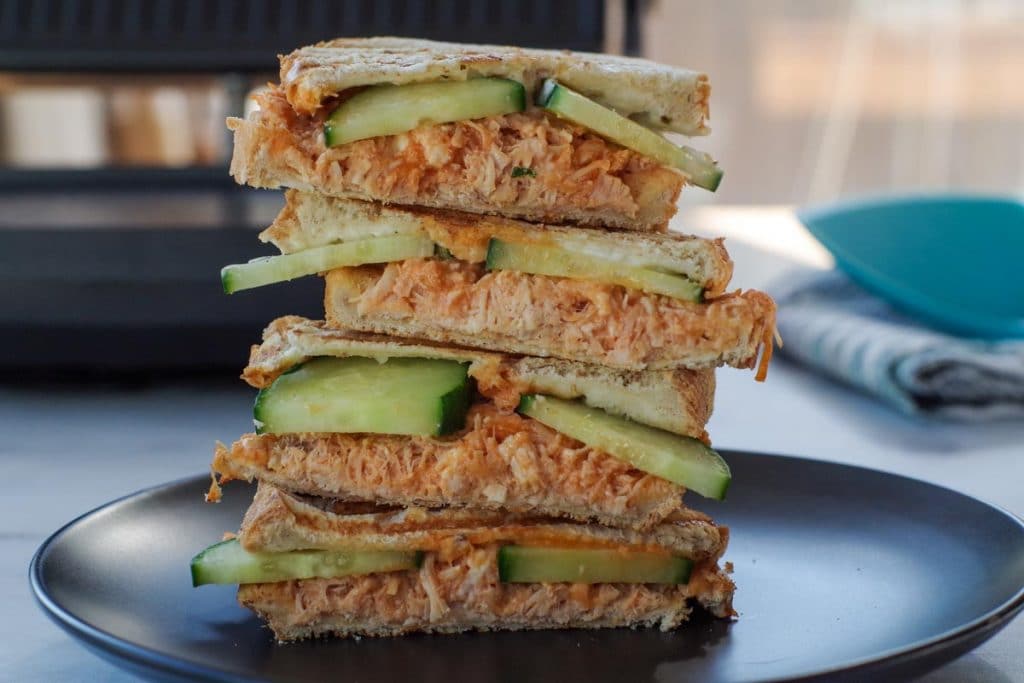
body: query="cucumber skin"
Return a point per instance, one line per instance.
(494, 249)
(718, 491)
(547, 91)
(453, 405)
(701, 168)
(381, 249)
(517, 102)
(263, 395)
(203, 574)
(227, 281)
(682, 291)
(510, 558)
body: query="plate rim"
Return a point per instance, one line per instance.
(107, 645)
(94, 637)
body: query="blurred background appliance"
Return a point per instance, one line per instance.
(117, 208)
(118, 211)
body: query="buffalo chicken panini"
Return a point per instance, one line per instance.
(496, 422)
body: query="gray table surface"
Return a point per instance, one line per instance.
(67, 451)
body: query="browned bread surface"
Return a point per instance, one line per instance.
(655, 94)
(458, 303)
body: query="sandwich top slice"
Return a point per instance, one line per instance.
(314, 567)
(624, 300)
(545, 136)
(660, 96)
(359, 417)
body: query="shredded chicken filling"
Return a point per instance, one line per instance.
(592, 318)
(569, 164)
(501, 460)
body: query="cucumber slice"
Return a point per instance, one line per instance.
(700, 167)
(646, 406)
(228, 562)
(392, 109)
(552, 259)
(532, 564)
(271, 269)
(354, 394)
(680, 459)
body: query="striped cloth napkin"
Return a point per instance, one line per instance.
(831, 324)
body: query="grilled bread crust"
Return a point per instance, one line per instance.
(465, 166)
(678, 400)
(278, 521)
(309, 220)
(657, 95)
(500, 461)
(458, 590)
(455, 303)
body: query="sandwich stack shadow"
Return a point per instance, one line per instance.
(495, 423)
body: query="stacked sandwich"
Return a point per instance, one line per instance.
(494, 425)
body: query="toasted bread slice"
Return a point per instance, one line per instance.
(278, 521)
(577, 176)
(453, 302)
(499, 461)
(677, 400)
(310, 220)
(457, 587)
(654, 94)
(459, 590)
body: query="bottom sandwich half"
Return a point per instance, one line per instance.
(479, 571)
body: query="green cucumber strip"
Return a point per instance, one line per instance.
(393, 109)
(679, 459)
(349, 395)
(228, 562)
(557, 261)
(271, 269)
(698, 166)
(542, 564)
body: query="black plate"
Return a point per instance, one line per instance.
(841, 570)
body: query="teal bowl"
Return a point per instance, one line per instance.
(954, 262)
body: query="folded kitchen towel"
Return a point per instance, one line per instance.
(828, 322)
